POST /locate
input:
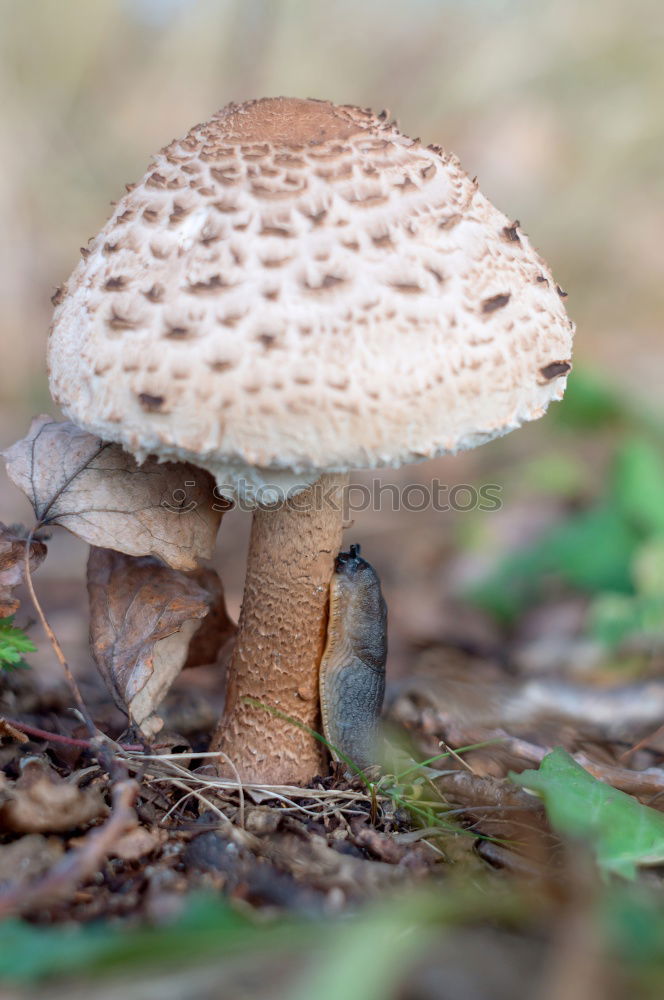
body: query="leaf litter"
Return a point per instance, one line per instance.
(163, 825)
(41, 801)
(12, 565)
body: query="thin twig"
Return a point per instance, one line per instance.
(229, 785)
(198, 795)
(239, 782)
(458, 758)
(55, 645)
(69, 741)
(639, 783)
(642, 743)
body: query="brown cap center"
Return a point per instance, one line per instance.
(289, 121)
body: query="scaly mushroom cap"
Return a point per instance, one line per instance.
(296, 287)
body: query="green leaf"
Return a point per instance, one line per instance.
(13, 644)
(590, 403)
(613, 618)
(648, 568)
(208, 928)
(556, 473)
(599, 550)
(638, 485)
(591, 551)
(346, 968)
(632, 921)
(622, 832)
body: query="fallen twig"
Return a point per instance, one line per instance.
(640, 783)
(68, 741)
(645, 742)
(160, 768)
(55, 645)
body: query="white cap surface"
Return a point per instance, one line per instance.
(296, 287)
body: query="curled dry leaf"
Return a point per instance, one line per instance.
(217, 630)
(99, 492)
(137, 843)
(29, 857)
(40, 801)
(143, 617)
(381, 846)
(12, 565)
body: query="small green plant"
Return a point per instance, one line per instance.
(623, 832)
(13, 644)
(405, 781)
(611, 551)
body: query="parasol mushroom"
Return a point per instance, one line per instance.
(292, 291)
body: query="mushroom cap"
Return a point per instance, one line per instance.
(295, 287)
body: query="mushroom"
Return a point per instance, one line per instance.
(292, 291)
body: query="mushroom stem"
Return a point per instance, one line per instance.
(281, 638)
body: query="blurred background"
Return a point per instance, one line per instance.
(556, 107)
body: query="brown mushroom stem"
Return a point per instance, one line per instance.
(281, 638)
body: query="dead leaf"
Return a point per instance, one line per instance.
(40, 801)
(143, 616)
(78, 865)
(29, 857)
(223, 862)
(137, 843)
(217, 628)
(470, 692)
(494, 810)
(261, 821)
(12, 565)
(380, 845)
(99, 492)
(310, 857)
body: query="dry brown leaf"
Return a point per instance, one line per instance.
(468, 691)
(79, 864)
(99, 492)
(40, 801)
(217, 628)
(137, 843)
(12, 566)
(143, 616)
(380, 845)
(29, 857)
(324, 868)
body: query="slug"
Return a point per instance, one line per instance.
(352, 670)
